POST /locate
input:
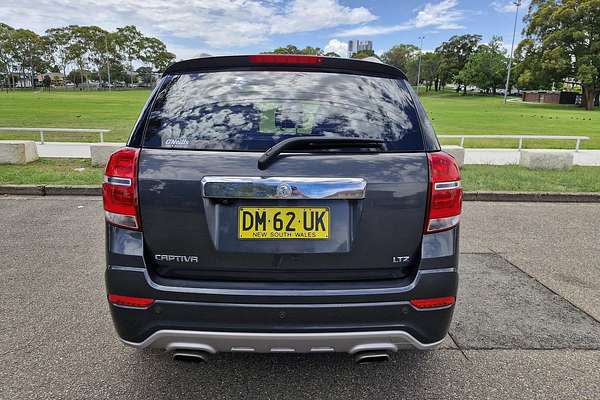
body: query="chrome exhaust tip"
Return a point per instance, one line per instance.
(193, 356)
(367, 357)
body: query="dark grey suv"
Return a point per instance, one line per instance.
(276, 203)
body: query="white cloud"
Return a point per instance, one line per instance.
(185, 53)
(507, 6)
(334, 45)
(374, 30)
(312, 15)
(214, 23)
(443, 16)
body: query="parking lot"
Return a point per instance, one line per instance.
(526, 323)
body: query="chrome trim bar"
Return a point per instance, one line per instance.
(231, 187)
(115, 180)
(447, 185)
(340, 342)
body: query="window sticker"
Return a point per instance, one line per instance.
(286, 119)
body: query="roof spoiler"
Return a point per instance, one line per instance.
(286, 62)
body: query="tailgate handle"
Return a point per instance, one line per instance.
(231, 187)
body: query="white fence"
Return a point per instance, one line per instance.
(521, 138)
(41, 131)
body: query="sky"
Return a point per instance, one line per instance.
(218, 27)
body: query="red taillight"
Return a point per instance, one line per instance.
(130, 301)
(119, 190)
(433, 303)
(285, 59)
(445, 202)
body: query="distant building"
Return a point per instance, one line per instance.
(354, 46)
(56, 78)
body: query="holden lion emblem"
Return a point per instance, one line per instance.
(283, 191)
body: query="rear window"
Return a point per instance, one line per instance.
(253, 110)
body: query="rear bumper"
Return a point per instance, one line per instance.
(247, 342)
(260, 320)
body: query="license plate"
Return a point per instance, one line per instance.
(283, 223)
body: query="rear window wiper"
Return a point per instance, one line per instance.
(314, 143)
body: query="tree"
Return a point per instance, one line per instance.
(431, 64)
(28, 52)
(77, 77)
(486, 68)
(77, 52)
(153, 52)
(565, 36)
(47, 81)
(528, 69)
(128, 40)
(455, 54)
(145, 75)
(6, 51)
(364, 54)
(312, 51)
(58, 41)
(289, 49)
(401, 55)
(118, 72)
(93, 41)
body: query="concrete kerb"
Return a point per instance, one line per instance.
(457, 152)
(546, 159)
(100, 152)
(17, 151)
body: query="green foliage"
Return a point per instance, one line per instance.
(78, 76)
(364, 54)
(88, 49)
(564, 39)
(401, 56)
(528, 67)
(431, 69)
(486, 68)
(291, 49)
(455, 54)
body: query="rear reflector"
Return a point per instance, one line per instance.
(129, 301)
(445, 203)
(285, 59)
(433, 303)
(119, 190)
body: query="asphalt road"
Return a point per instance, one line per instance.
(526, 326)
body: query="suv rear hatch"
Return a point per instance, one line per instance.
(316, 213)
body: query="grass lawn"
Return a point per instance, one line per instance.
(450, 113)
(475, 177)
(499, 178)
(116, 110)
(52, 172)
(454, 114)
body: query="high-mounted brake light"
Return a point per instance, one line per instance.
(445, 201)
(433, 303)
(130, 301)
(119, 190)
(285, 59)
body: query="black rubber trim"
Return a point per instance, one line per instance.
(328, 64)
